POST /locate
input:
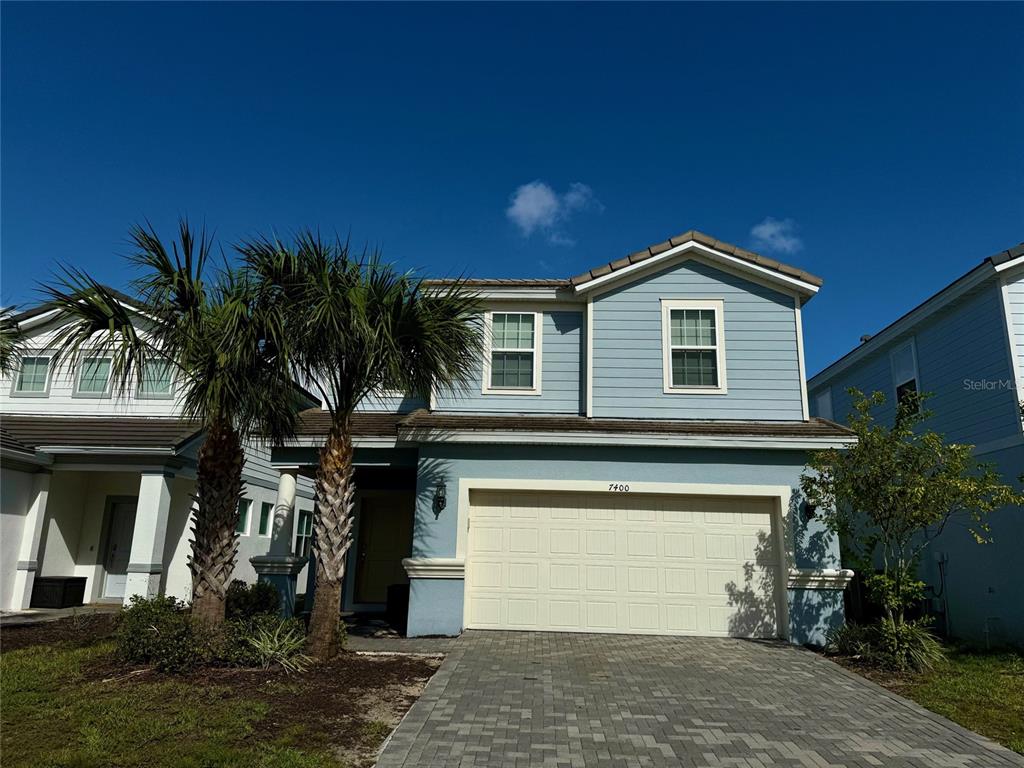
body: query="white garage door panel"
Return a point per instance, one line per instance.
(622, 563)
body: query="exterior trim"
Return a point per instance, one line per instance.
(435, 567)
(590, 356)
(619, 438)
(150, 568)
(805, 405)
(1011, 339)
(28, 565)
(766, 275)
(718, 306)
(1010, 264)
(826, 578)
(779, 493)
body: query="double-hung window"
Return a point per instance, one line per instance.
(94, 376)
(242, 526)
(693, 336)
(266, 517)
(513, 357)
(34, 376)
(904, 370)
(303, 532)
(157, 380)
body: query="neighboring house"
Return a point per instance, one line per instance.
(965, 346)
(101, 487)
(626, 459)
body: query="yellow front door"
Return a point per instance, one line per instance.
(385, 537)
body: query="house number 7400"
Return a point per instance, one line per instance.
(620, 487)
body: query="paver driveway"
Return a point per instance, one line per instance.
(546, 699)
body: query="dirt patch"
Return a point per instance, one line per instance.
(77, 631)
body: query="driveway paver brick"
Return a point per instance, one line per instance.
(514, 699)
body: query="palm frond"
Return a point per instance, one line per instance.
(12, 342)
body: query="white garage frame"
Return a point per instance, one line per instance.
(779, 494)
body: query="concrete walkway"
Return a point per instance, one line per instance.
(42, 615)
(544, 699)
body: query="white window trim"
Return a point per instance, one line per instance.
(718, 306)
(17, 375)
(270, 520)
(79, 369)
(892, 368)
(140, 395)
(538, 339)
(248, 517)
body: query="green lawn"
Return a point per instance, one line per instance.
(981, 691)
(54, 716)
(69, 704)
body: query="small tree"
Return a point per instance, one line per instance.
(894, 492)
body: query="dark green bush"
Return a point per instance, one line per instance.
(244, 601)
(908, 646)
(160, 631)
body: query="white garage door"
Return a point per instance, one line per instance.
(620, 562)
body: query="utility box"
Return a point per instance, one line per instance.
(58, 592)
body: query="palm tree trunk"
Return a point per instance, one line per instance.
(214, 541)
(332, 537)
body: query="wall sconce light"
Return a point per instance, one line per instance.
(440, 499)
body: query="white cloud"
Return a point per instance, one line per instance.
(537, 208)
(776, 236)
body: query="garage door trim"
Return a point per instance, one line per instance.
(780, 494)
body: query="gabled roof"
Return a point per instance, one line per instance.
(988, 268)
(693, 236)
(48, 306)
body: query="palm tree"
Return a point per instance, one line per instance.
(230, 375)
(353, 325)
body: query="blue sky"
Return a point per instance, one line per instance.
(879, 146)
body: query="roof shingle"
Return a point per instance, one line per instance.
(98, 431)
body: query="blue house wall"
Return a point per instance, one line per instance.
(762, 359)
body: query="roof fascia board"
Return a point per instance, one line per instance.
(767, 276)
(421, 435)
(921, 312)
(1017, 262)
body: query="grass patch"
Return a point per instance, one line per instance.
(981, 691)
(65, 705)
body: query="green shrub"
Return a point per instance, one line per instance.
(281, 644)
(904, 647)
(244, 601)
(160, 631)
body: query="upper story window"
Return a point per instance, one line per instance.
(512, 365)
(94, 376)
(693, 336)
(157, 380)
(904, 370)
(823, 404)
(34, 377)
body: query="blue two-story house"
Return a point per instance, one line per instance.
(627, 460)
(964, 346)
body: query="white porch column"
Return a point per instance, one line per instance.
(146, 561)
(31, 535)
(284, 513)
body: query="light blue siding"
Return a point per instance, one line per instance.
(1015, 293)
(391, 404)
(435, 534)
(963, 343)
(762, 364)
(562, 351)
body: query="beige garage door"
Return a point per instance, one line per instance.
(621, 562)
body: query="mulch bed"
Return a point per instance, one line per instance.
(77, 630)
